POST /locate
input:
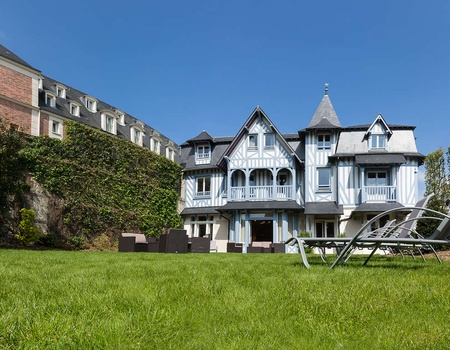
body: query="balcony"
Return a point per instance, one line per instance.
(260, 193)
(203, 158)
(380, 194)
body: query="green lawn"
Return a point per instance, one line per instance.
(105, 300)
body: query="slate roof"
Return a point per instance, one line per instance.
(199, 211)
(203, 136)
(218, 147)
(93, 119)
(377, 207)
(4, 52)
(380, 159)
(261, 205)
(323, 208)
(325, 116)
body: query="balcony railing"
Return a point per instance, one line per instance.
(379, 194)
(260, 193)
(202, 158)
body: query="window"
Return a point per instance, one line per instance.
(324, 229)
(50, 100)
(376, 178)
(324, 179)
(120, 117)
(377, 141)
(202, 225)
(155, 145)
(60, 91)
(74, 109)
(136, 136)
(203, 187)
(170, 153)
(324, 141)
(90, 104)
(109, 123)
(55, 127)
(253, 141)
(203, 154)
(269, 141)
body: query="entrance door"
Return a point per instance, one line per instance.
(324, 229)
(262, 230)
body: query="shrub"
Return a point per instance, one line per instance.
(28, 232)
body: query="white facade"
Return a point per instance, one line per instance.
(327, 180)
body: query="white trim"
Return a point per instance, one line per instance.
(55, 127)
(104, 118)
(50, 99)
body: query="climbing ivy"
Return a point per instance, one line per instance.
(12, 166)
(108, 184)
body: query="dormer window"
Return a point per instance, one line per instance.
(170, 153)
(137, 135)
(50, 99)
(120, 117)
(60, 91)
(90, 104)
(203, 154)
(155, 145)
(378, 134)
(323, 141)
(377, 141)
(109, 123)
(74, 109)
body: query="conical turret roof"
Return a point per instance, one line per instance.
(325, 116)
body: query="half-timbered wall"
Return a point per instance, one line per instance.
(217, 189)
(315, 159)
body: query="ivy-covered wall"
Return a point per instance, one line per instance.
(108, 185)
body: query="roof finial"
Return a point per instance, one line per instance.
(326, 88)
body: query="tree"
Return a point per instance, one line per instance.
(437, 182)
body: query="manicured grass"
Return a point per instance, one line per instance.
(87, 300)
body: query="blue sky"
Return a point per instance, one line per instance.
(187, 66)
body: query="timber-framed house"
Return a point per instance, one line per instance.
(326, 179)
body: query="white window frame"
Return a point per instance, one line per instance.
(74, 109)
(137, 135)
(203, 186)
(90, 104)
(322, 186)
(322, 142)
(253, 142)
(375, 141)
(269, 141)
(60, 91)
(120, 117)
(50, 99)
(55, 128)
(203, 153)
(109, 116)
(202, 221)
(170, 153)
(155, 145)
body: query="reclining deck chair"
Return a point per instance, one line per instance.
(439, 237)
(340, 243)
